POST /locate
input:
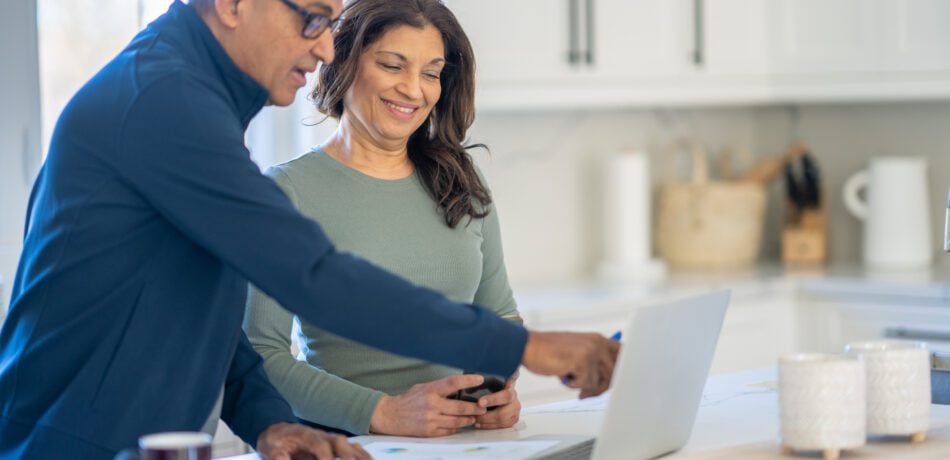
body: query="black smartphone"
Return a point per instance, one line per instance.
(492, 384)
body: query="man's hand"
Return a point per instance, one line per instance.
(425, 411)
(585, 361)
(507, 408)
(281, 441)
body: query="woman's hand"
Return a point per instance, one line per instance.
(507, 408)
(425, 411)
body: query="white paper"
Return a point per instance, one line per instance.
(476, 450)
(594, 404)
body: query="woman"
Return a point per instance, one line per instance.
(394, 185)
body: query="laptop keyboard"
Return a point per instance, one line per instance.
(579, 451)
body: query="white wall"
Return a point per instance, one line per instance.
(845, 137)
(544, 168)
(19, 129)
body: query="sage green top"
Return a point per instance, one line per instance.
(396, 225)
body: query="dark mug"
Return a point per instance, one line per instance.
(181, 445)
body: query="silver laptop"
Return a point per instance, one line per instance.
(658, 382)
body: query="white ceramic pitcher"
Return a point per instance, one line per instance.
(896, 213)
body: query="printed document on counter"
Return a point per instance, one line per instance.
(502, 450)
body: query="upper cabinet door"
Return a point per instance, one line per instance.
(642, 38)
(916, 35)
(822, 36)
(611, 53)
(735, 37)
(517, 41)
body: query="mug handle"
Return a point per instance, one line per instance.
(852, 201)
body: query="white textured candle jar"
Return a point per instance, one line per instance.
(821, 401)
(898, 386)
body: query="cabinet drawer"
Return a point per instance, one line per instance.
(850, 323)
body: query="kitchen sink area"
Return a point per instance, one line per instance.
(773, 311)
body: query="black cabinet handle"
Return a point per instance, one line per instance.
(589, 54)
(573, 45)
(698, 34)
(902, 332)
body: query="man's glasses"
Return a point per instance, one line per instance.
(314, 24)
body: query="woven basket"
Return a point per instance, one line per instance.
(707, 224)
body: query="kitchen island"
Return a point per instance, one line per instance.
(737, 419)
(773, 311)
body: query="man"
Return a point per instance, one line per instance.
(149, 218)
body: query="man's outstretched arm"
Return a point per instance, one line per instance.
(192, 166)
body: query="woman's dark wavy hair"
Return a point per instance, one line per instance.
(436, 149)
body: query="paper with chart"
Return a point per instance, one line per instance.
(501, 450)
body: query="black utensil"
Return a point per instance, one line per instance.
(811, 180)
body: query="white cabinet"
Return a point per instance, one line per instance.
(601, 53)
(543, 41)
(819, 36)
(526, 41)
(859, 50)
(597, 53)
(916, 35)
(733, 40)
(642, 39)
(822, 36)
(833, 324)
(756, 331)
(538, 40)
(766, 319)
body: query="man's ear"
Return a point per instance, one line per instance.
(227, 12)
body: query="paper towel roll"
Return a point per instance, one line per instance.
(627, 208)
(627, 218)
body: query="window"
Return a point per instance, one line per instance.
(72, 40)
(77, 38)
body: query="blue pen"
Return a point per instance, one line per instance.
(616, 338)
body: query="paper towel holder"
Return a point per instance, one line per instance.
(627, 224)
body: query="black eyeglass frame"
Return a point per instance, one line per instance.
(314, 24)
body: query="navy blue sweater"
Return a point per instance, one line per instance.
(145, 225)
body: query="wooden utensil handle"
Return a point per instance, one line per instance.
(770, 168)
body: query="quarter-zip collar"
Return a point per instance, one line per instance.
(184, 25)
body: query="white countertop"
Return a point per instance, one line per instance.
(927, 287)
(737, 419)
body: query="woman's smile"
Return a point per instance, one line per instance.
(400, 110)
